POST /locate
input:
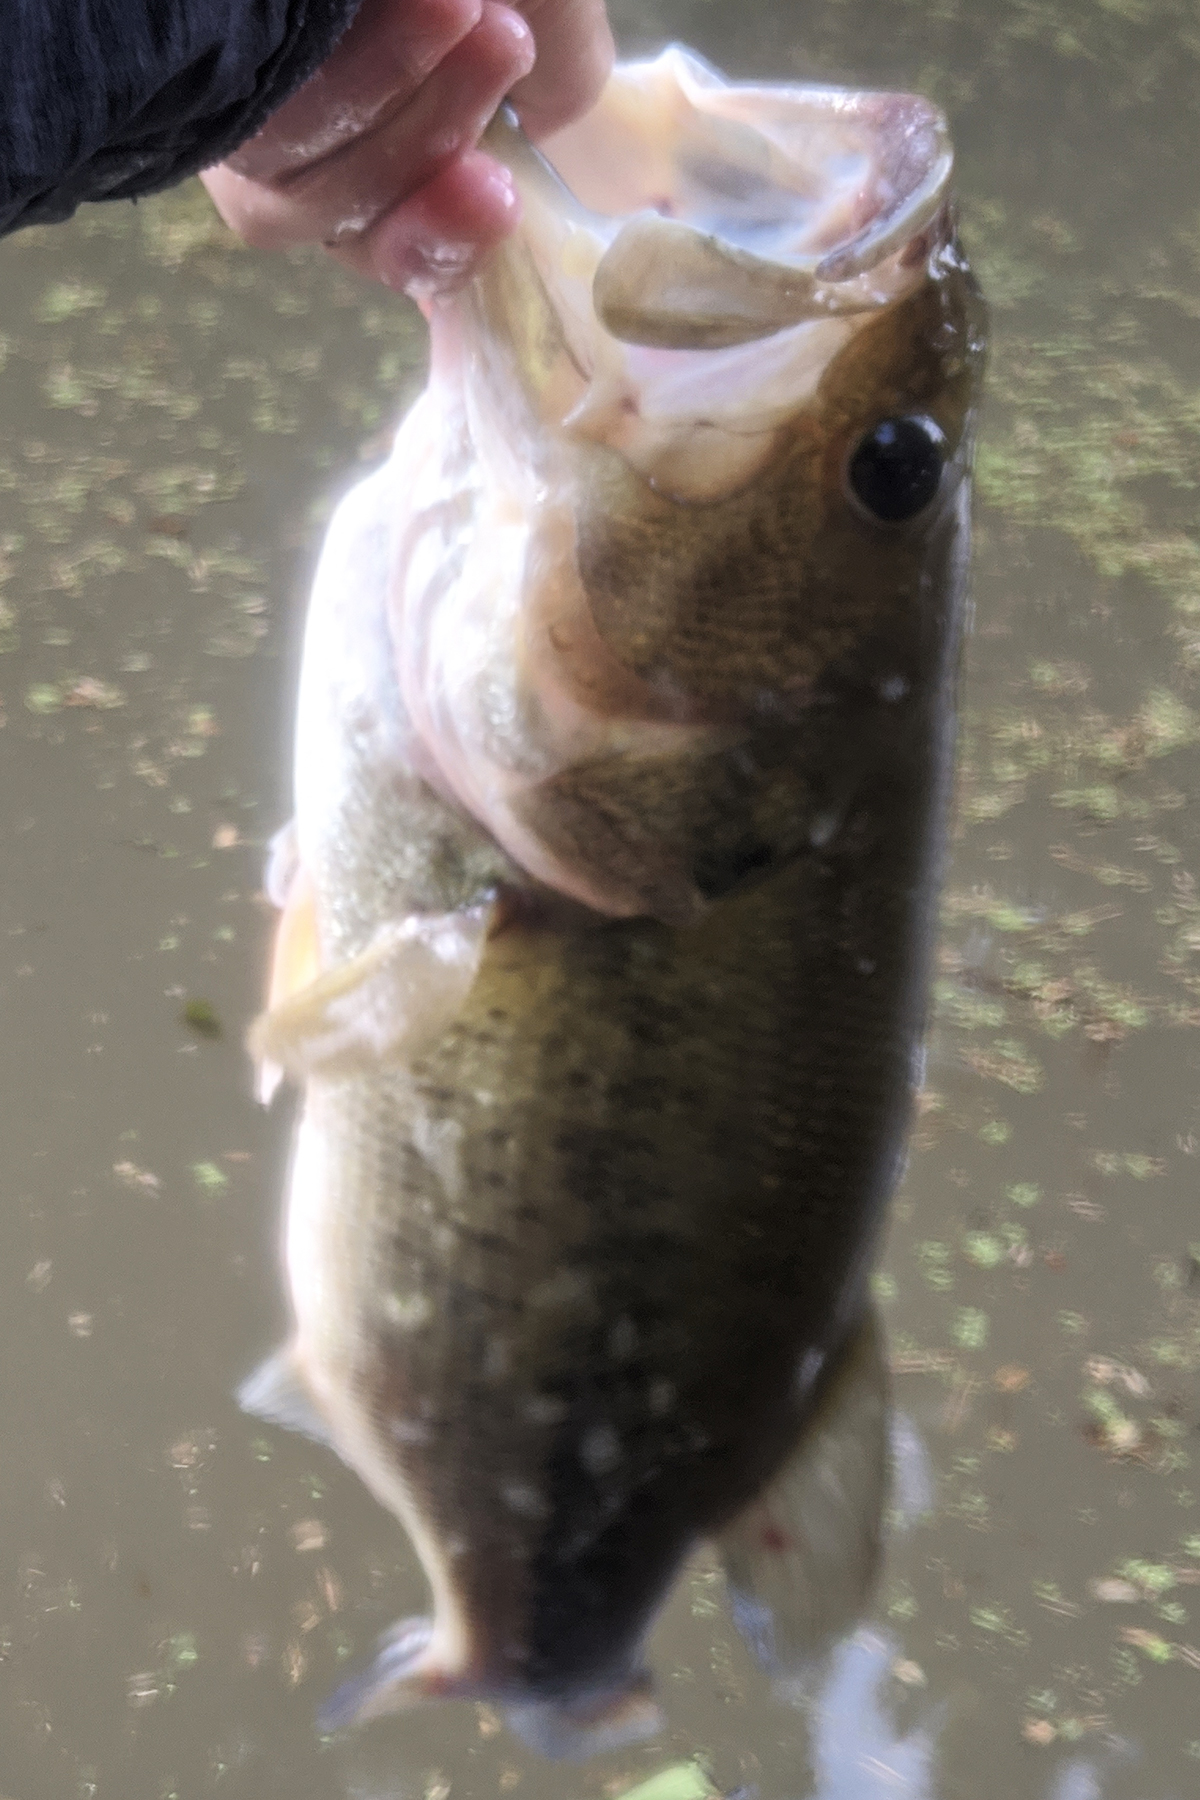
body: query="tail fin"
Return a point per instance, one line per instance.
(802, 1559)
(408, 1670)
(574, 1730)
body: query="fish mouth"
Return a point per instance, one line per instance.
(722, 213)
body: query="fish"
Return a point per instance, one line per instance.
(623, 748)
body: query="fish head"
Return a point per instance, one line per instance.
(717, 397)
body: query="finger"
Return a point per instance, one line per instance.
(353, 187)
(261, 215)
(389, 49)
(348, 190)
(436, 239)
(574, 59)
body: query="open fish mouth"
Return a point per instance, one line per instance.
(720, 214)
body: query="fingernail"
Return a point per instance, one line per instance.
(499, 185)
(523, 39)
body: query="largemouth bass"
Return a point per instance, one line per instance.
(624, 735)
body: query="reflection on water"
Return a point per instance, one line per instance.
(180, 1586)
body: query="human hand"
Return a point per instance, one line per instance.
(375, 155)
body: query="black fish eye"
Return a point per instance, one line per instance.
(896, 469)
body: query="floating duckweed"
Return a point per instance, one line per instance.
(201, 1017)
(1009, 1062)
(901, 1602)
(180, 1652)
(1151, 1644)
(67, 300)
(44, 697)
(1141, 1167)
(984, 1250)
(970, 1328)
(999, 1620)
(1024, 1193)
(1099, 802)
(1118, 1429)
(209, 1178)
(996, 1132)
(683, 1781)
(1005, 917)
(965, 1010)
(934, 1258)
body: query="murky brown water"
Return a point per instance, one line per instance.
(179, 1586)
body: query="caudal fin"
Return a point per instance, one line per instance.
(590, 1725)
(407, 1670)
(801, 1560)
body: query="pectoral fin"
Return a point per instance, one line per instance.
(276, 1392)
(801, 1560)
(395, 999)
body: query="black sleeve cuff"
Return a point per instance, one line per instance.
(109, 99)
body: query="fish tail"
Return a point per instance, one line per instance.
(592, 1725)
(408, 1670)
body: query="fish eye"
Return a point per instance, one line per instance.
(896, 469)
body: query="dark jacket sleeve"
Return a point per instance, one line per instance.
(108, 99)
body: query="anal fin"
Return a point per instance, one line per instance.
(402, 1675)
(276, 1392)
(589, 1725)
(801, 1560)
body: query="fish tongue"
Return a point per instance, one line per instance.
(665, 285)
(802, 1558)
